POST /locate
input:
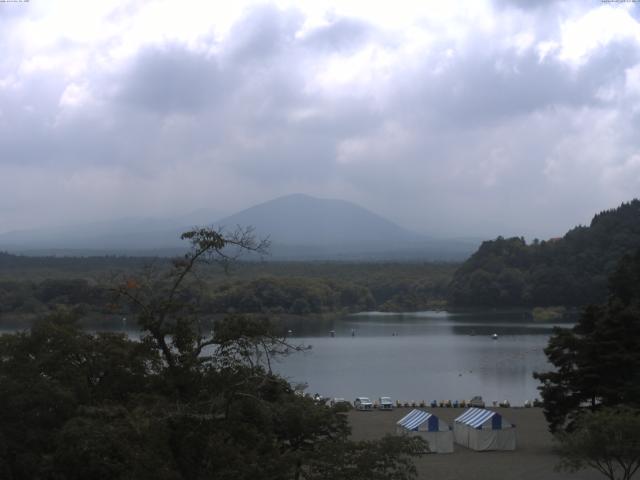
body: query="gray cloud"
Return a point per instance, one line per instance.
(172, 79)
(466, 135)
(478, 87)
(261, 34)
(528, 4)
(341, 34)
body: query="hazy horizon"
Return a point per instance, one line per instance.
(471, 119)
(204, 217)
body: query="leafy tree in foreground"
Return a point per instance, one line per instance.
(597, 362)
(182, 403)
(388, 459)
(606, 440)
(50, 376)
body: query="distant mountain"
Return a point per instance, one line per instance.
(122, 236)
(300, 227)
(304, 220)
(570, 271)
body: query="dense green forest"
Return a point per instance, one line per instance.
(32, 286)
(182, 403)
(299, 287)
(571, 270)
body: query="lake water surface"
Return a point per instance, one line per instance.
(421, 356)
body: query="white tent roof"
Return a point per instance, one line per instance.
(477, 417)
(414, 419)
(417, 418)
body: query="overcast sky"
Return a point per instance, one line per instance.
(451, 118)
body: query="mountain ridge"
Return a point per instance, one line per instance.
(300, 219)
(301, 227)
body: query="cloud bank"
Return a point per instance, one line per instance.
(504, 117)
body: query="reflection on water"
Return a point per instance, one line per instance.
(421, 356)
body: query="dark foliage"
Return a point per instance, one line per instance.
(597, 362)
(48, 376)
(296, 296)
(566, 271)
(606, 440)
(181, 403)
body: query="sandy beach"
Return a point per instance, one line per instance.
(533, 458)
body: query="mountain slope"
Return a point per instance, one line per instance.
(571, 270)
(300, 227)
(304, 220)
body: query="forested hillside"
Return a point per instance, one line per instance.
(571, 270)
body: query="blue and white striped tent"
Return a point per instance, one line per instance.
(481, 429)
(426, 425)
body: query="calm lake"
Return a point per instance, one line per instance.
(421, 356)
